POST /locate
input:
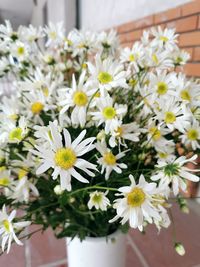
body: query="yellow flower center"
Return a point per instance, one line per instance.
(22, 173)
(37, 107)
(162, 88)
(155, 59)
(164, 39)
(45, 91)
(84, 66)
(105, 77)
(170, 117)
(97, 94)
(192, 134)
(97, 198)
(185, 95)
(119, 131)
(65, 158)
(109, 158)
(20, 50)
(4, 181)
(13, 117)
(6, 225)
(16, 134)
(136, 197)
(162, 155)
(132, 82)
(109, 113)
(156, 134)
(52, 35)
(131, 58)
(80, 98)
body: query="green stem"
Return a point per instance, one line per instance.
(93, 187)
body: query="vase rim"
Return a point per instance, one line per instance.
(118, 232)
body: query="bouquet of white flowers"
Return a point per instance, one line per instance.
(89, 135)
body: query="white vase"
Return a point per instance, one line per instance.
(107, 251)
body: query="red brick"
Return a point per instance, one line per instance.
(130, 37)
(141, 23)
(192, 69)
(128, 44)
(199, 22)
(189, 39)
(190, 8)
(167, 15)
(196, 54)
(185, 24)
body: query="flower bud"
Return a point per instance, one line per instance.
(57, 190)
(179, 249)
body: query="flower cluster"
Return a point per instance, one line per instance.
(93, 132)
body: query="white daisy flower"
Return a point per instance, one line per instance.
(65, 158)
(157, 59)
(173, 114)
(164, 38)
(10, 107)
(108, 161)
(55, 34)
(109, 113)
(172, 171)
(130, 131)
(191, 135)
(136, 203)
(133, 56)
(8, 228)
(20, 51)
(98, 200)
(77, 97)
(107, 74)
(12, 131)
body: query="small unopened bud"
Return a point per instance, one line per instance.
(72, 200)
(185, 209)
(179, 249)
(57, 190)
(101, 135)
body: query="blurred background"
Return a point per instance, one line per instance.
(129, 18)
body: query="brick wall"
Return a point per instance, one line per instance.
(186, 20)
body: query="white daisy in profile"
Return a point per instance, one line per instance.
(8, 228)
(107, 74)
(78, 98)
(64, 159)
(191, 135)
(109, 113)
(172, 171)
(136, 203)
(108, 161)
(130, 131)
(98, 200)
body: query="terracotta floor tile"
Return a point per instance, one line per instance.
(45, 248)
(158, 249)
(15, 258)
(131, 258)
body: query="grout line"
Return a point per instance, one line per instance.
(54, 264)
(137, 252)
(27, 250)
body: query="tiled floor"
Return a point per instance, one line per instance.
(149, 250)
